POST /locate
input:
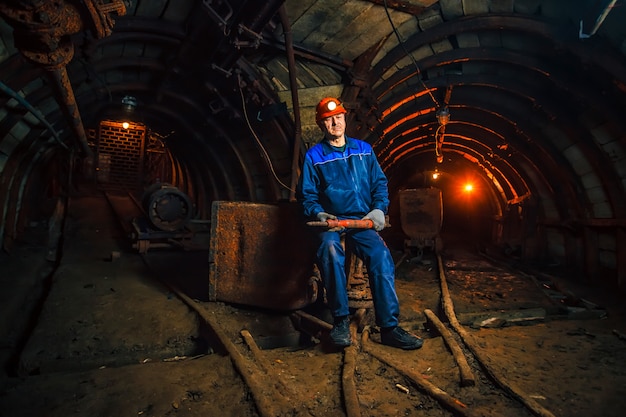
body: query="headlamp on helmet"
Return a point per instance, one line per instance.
(328, 107)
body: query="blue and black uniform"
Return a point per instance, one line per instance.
(349, 183)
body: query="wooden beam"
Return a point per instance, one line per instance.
(465, 371)
(414, 7)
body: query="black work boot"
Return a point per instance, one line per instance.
(340, 333)
(400, 338)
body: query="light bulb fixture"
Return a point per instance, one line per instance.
(129, 104)
(435, 174)
(443, 116)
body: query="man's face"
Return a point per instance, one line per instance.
(334, 127)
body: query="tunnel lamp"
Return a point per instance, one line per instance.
(443, 116)
(468, 188)
(435, 174)
(129, 104)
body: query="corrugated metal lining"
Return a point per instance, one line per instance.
(535, 110)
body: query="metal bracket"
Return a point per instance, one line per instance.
(221, 16)
(254, 43)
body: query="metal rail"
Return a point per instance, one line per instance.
(512, 389)
(273, 396)
(482, 364)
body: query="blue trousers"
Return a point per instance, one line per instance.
(372, 249)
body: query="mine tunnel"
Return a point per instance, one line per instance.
(179, 127)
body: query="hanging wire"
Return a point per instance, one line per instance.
(439, 142)
(258, 141)
(441, 111)
(401, 42)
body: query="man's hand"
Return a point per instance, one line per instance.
(323, 216)
(378, 217)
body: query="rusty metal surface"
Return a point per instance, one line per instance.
(42, 33)
(421, 212)
(64, 94)
(261, 255)
(345, 223)
(359, 292)
(43, 29)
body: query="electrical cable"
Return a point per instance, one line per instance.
(439, 143)
(258, 141)
(12, 93)
(401, 42)
(438, 135)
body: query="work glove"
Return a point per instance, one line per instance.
(323, 216)
(378, 217)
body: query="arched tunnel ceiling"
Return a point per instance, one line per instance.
(536, 92)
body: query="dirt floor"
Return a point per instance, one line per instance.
(110, 335)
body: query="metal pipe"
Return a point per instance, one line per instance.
(345, 223)
(65, 96)
(12, 93)
(291, 64)
(43, 33)
(602, 16)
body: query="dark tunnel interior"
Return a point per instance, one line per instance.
(517, 99)
(150, 152)
(532, 111)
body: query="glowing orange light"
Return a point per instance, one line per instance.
(435, 175)
(125, 125)
(468, 188)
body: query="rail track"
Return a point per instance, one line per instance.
(450, 299)
(368, 379)
(473, 385)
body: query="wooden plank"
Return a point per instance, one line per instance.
(370, 18)
(413, 7)
(502, 318)
(279, 74)
(364, 31)
(465, 371)
(333, 22)
(309, 97)
(314, 18)
(308, 76)
(296, 9)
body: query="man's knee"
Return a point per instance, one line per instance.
(330, 248)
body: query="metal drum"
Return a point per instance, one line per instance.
(421, 217)
(168, 208)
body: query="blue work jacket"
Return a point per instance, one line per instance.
(348, 184)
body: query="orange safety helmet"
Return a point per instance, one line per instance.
(327, 107)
